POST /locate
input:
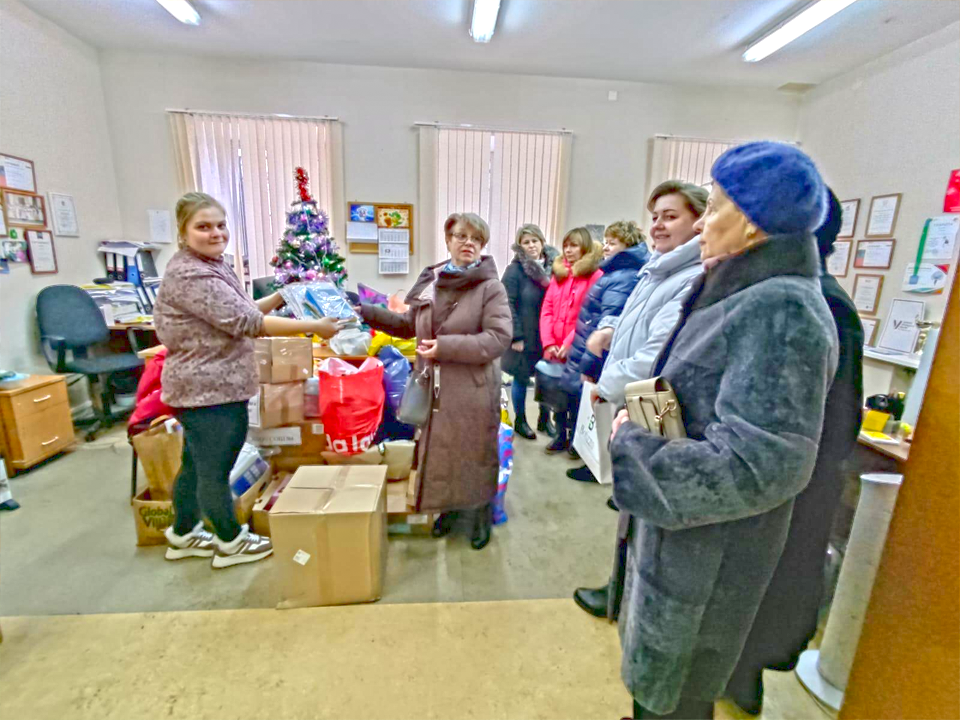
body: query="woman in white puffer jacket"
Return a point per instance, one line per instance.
(632, 341)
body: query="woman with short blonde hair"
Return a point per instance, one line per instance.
(458, 312)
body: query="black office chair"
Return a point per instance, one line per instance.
(70, 326)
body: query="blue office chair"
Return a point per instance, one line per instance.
(70, 326)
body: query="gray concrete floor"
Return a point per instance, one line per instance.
(71, 549)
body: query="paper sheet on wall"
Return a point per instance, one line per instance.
(883, 211)
(362, 232)
(900, 331)
(928, 278)
(394, 251)
(941, 238)
(867, 290)
(159, 226)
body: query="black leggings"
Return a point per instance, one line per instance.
(212, 439)
(688, 709)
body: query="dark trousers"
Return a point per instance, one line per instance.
(518, 394)
(688, 709)
(212, 439)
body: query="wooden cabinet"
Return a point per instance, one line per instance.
(35, 422)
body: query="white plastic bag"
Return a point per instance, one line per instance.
(351, 341)
(594, 424)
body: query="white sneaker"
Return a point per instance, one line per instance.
(196, 543)
(247, 547)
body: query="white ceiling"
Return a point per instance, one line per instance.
(666, 41)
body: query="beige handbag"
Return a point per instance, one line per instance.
(652, 404)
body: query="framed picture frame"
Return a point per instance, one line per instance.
(4, 228)
(63, 214)
(24, 209)
(882, 218)
(17, 173)
(874, 254)
(362, 233)
(43, 255)
(866, 293)
(839, 260)
(869, 330)
(848, 225)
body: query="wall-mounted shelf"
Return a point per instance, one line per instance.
(908, 361)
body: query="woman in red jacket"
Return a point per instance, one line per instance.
(574, 272)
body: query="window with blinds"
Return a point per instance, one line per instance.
(508, 178)
(247, 163)
(686, 159)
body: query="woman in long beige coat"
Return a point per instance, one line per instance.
(460, 314)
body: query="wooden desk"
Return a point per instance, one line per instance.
(133, 332)
(899, 452)
(35, 421)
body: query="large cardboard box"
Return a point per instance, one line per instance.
(301, 444)
(283, 360)
(276, 405)
(151, 517)
(329, 536)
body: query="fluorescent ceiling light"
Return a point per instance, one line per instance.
(484, 19)
(794, 28)
(182, 10)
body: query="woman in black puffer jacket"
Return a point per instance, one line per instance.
(624, 252)
(526, 280)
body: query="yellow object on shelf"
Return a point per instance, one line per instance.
(381, 339)
(875, 420)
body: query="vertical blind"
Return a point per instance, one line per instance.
(508, 178)
(247, 163)
(686, 159)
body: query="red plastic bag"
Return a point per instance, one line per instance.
(351, 403)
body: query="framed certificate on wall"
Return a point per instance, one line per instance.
(874, 254)
(848, 225)
(882, 218)
(839, 259)
(866, 293)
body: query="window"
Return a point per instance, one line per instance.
(686, 159)
(508, 178)
(247, 162)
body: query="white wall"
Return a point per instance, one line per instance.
(378, 107)
(891, 126)
(52, 112)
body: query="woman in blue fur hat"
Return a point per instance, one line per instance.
(751, 361)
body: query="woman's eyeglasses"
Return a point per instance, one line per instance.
(463, 239)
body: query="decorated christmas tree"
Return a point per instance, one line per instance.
(306, 251)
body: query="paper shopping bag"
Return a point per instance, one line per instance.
(160, 450)
(594, 424)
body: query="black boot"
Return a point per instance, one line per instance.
(522, 429)
(745, 688)
(544, 424)
(612, 504)
(482, 523)
(593, 600)
(560, 443)
(580, 474)
(444, 524)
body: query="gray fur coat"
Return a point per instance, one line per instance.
(751, 360)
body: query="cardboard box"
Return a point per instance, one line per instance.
(397, 499)
(398, 457)
(276, 405)
(260, 522)
(151, 517)
(330, 536)
(371, 456)
(283, 360)
(301, 444)
(412, 489)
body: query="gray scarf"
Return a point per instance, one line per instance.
(536, 270)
